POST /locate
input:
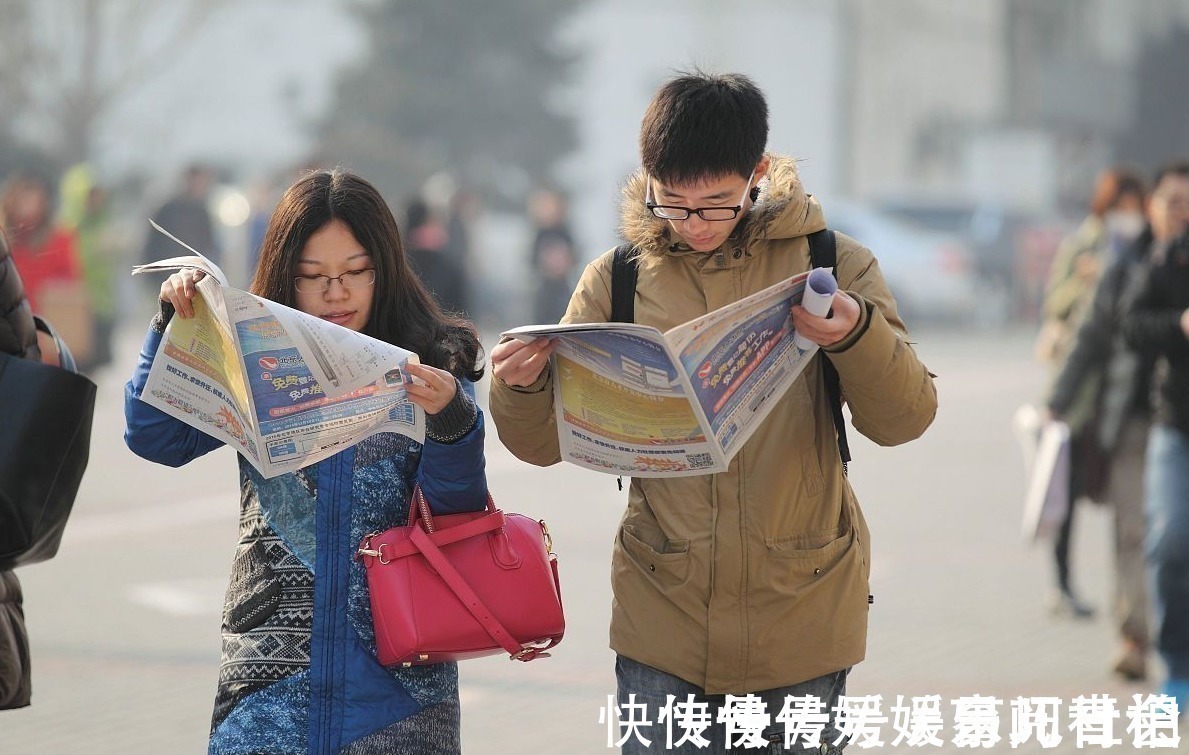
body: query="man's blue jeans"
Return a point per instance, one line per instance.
(1167, 544)
(651, 688)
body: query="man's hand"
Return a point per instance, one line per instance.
(519, 363)
(829, 330)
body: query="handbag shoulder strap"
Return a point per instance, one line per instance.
(823, 252)
(473, 603)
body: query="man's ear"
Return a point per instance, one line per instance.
(762, 168)
(761, 171)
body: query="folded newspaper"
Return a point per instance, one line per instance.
(632, 400)
(282, 387)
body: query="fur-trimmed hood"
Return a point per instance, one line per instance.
(783, 210)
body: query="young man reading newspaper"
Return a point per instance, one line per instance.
(753, 580)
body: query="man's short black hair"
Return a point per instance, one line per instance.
(701, 126)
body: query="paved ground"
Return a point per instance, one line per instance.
(125, 621)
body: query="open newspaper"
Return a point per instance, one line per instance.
(632, 400)
(283, 388)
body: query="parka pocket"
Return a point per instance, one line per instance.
(665, 560)
(254, 592)
(802, 555)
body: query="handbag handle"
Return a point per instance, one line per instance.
(65, 358)
(473, 603)
(388, 552)
(419, 508)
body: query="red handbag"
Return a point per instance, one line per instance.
(457, 586)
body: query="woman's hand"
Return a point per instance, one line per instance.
(178, 289)
(519, 363)
(433, 390)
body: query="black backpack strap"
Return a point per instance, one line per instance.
(624, 266)
(823, 252)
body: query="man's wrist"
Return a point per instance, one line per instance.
(856, 332)
(538, 385)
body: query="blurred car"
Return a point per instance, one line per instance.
(1013, 249)
(933, 275)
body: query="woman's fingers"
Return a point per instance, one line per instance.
(179, 289)
(433, 389)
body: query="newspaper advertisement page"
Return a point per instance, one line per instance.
(297, 421)
(621, 404)
(741, 359)
(196, 377)
(342, 360)
(234, 372)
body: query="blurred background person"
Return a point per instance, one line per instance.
(1123, 403)
(428, 251)
(1158, 325)
(262, 198)
(46, 255)
(552, 256)
(1116, 219)
(86, 210)
(187, 217)
(461, 214)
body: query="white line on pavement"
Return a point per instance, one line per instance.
(92, 527)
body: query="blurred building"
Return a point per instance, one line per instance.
(1012, 102)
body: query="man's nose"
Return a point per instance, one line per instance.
(695, 224)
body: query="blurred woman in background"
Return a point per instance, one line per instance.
(46, 255)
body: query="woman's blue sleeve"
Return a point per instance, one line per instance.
(453, 475)
(151, 433)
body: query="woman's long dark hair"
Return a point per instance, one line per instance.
(404, 313)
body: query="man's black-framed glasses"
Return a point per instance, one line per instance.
(316, 284)
(712, 214)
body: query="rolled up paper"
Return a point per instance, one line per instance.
(819, 295)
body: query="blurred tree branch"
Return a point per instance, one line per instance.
(65, 63)
(466, 88)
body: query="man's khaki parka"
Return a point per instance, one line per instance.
(754, 578)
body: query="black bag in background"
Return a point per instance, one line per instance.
(45, 441)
